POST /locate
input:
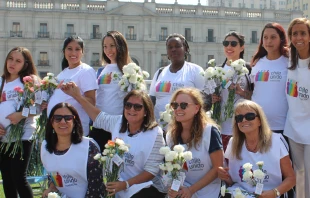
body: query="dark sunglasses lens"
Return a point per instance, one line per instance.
(225, 43)
(250, 116)
(128, 105)
(57, 118)
(183, 105)
(174, 105)
(233, 43)
(239, 118)
(68, 117)
(137, 107)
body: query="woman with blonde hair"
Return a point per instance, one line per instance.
(199, 134)
(254, 141)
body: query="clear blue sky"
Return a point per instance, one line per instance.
(186, 2)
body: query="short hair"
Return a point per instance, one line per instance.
(68, 40)
(265, 133)
(122, 56)
(51, 137)
(241, 41)
(184, 41)
(149, 121)
(28, 69)
(294, 53)
(200, 119)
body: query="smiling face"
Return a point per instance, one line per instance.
(73, 53)
(63, 128)
(15, 63)
(175, 49)
(109, 48)
(246, 126)
(133, 116)
(187, 114)
(300, 38)
(271, 41)
(233, 53)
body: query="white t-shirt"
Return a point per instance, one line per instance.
(297, 124)
(271, 167)
(109, 97)
(167, 82)
(9, 106)
(68, 171)
(269, 78)
(200, 165)
(226, 126)
(84, 77)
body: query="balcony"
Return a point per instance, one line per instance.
(131, 37)
(254, 40)
(95, 63)
(16, 33)
(211, 39)
(43, 34)
(68, 34)
(95, 35)
(162, 37)
(43, 63)
(189, 38)
(163, 63)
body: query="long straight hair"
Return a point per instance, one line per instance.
(79, 40)
(240, 38)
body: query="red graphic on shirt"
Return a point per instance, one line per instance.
(3, 96)
(59, 180)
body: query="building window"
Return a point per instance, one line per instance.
(188, 34)
(252, 5)
(164, 61)
(95, 60)
(42, 74)
(43, 33)
(15, 32)
(254, 37)
(163, 34)
(96, 33)
(70, 30)
(131, 33)
(43, 61)
(210, 37)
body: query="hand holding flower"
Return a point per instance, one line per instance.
(267, 194)
(15, 117)
(71, 89)
(114, 187)
(185, 192)
(224, 175)
(2, 130)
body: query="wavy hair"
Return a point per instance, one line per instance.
(199, 122)
(294, 53)
(265, 133)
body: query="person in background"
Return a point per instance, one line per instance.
(298, 116)
(80, 73)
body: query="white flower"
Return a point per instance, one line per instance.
(97, 156)
(167, 107)
(238, 64)
(162, 167)
(259, 174)
(247, 166)
(119, 141)
(178, 148)
(145, 74)
(164, 150)
(133, 78)
(239, 194)
(229, 74)
(170, 156)
(187, 155)
(166, 117)
(106, 146)
(247, 175)
(53, 81)
(223, 190)
(212, 62)
(123, 148)
(111, 155)
(209, 73)
(177, 166)
(50, 74)
(103, 158)
(169, 167)
(260, 164)
(127, 69)
(218, 70)
(105, 152)
(245, 70)
(53, 195)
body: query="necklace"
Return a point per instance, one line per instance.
(247, 146)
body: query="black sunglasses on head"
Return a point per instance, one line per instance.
(136, 107)
(232, 43)
(58, 118)
(247, 116)
(183, 105)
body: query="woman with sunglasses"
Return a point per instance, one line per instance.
(253, 141)
(178, 74)
(68, 157)
(138, 128)
(234, 50)
(198, 133)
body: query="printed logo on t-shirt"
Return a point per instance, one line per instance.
(105, 79)
(65, 180)
(262, 76)
(163, 86)
(129, 159)
(3, 96)
(291, 88)
(195, 164)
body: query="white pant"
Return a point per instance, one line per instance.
(301, 160)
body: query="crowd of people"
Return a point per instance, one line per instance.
(270, 120)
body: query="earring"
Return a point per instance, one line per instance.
(73, 131)
(53, 131)
(144, 115)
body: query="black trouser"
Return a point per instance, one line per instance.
(150, 192)
(100, 136)
(14, 172)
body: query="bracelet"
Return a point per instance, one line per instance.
(127, 184)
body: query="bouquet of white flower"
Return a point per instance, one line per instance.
(165, 116)
(133, 78)
(175, 163)
(56, 195)
(112, 160)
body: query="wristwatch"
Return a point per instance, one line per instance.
(127, 185)
(277, 192)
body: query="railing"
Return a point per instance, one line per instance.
(164, 10)
(67, 34)
(162, 37)
(131, 36)
(189, 38)
(163, 63)
(210, 39)
(43, 5)
(95, 63)
(92, 7)
(210, 12)
(232, 13)
(43, 63)
(16, 33)
(70, 6)
(187, 11)
(254, 14)
(16, 4)
(43, 34)
(254, 40)
(95, 35)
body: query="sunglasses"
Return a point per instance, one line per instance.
(232, 43)
(58, 118)
(183, 105)
(136, 107)
(247, 116)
